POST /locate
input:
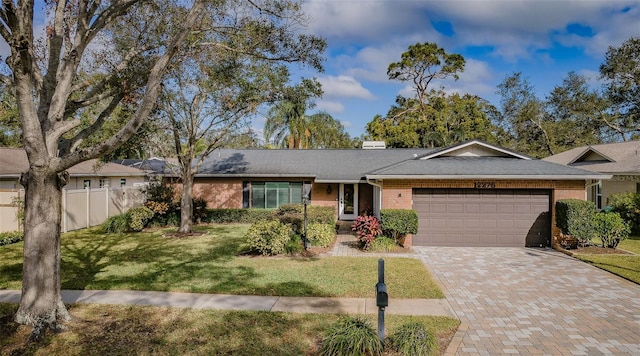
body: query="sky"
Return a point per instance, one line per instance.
(543, 39)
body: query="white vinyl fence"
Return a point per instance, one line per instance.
(80, 208)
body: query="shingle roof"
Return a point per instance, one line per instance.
(481, 167)
(339, 165)
(13, 162)
(625, 157)
(354, 164)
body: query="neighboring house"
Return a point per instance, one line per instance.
(88, 174)
(470, 194)
(620, 160)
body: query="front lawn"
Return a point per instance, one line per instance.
(627, 266)
(211, 264)
(134, 330)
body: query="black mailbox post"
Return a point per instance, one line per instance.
(382, 298)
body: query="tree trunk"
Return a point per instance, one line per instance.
(41, 303)
(186, 204)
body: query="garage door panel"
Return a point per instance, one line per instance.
(471, 217)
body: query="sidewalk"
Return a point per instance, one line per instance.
(344, 246)
(439, 307)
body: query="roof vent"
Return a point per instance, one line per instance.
(373, 145)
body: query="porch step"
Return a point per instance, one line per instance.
(344, 227)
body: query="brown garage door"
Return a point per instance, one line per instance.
(472, 217)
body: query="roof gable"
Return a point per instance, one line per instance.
(591, 155)
(475, 148)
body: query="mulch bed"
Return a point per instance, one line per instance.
(597, 250)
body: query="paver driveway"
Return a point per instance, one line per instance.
(534, 302)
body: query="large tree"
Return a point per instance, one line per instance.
(446, 119)
(575, 113)
(10, 133)
(423, 63)
(287, 123)
(524, 116)
(209, 94)
(621, 69)
(68, 76)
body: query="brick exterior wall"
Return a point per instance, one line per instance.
(219, 193)
(398, 194)
(325, 194)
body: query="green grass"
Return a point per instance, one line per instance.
(631, 244)
(627, 266)
(135, 330)
(210, 264)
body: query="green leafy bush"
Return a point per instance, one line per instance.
(116, 224)
(321, 214)
(575, 217)
(351, 336)
(199, 210)
(366, 228)
(320, 234)
(628, 206)
(383, 244)
(611, 229)
(139, 217)
(10, 237)
(413, 338)
(243, 216)
(294, 245)
(397, 223)
(268, 237)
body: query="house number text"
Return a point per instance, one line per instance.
(484, 185)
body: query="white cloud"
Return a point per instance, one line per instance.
(343, 86)
(332, 107)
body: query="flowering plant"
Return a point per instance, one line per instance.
(366, 228)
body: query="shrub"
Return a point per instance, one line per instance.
(628, 206)
(321, 214)
(413, 338)
(320, 234)
(116, 224)
(199, 210)
(268, 237)
(397, 223)
(139, 217)
(383, 244)
(294, 245)
(575, 217)
(224, 216)
(366, 228)
(351, 336)
(10, 237)
(611, 229)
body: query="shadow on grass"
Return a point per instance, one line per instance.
(151, 262)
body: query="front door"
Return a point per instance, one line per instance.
(348, 201)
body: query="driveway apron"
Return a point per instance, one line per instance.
(531, 301)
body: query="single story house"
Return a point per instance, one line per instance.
(469, 194)
(621, 160)
(88, 174)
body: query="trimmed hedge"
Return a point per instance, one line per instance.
(10, 237)
(576, 218)
(243, 216)
(396, 223)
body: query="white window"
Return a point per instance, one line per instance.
(104, 182)
(86, 184)
(598, 197)
(123, 182)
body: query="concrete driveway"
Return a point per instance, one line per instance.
(534, 302)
